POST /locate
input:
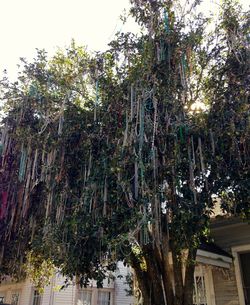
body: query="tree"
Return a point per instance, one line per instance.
(105, 158)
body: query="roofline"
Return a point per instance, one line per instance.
(208, 258)
(221, 223)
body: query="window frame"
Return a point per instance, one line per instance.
(17, 292)
(80, 290)
(33, 296)
(94, 294)
(236, 251)
(206, 273)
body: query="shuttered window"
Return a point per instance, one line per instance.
(104, 298)
(85, 297)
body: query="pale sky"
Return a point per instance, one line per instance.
(29, 24)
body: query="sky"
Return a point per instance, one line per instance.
(29, 24)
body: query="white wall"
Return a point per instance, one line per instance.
(53, 296)
(121, 297)
(68, 296)
(24, 289)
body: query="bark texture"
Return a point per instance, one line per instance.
(163, 284)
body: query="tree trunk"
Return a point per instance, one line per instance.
(178, 279)
(155, 275)
(189, 277)
(156, 281)
(142, 278)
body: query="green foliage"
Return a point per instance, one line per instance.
(107, 158)
(40, 271)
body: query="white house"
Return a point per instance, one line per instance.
(222, 276)
(112, 293)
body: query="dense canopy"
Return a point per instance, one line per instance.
(118, 155)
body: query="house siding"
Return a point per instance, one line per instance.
(68, 296)
(26, 293)
(52, 295)
(228, 233)
(225, 287)
(121, 296)
(23, 288)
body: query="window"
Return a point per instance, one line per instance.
(104, 298)
(245, 275)
(94, 296)
(199, 297)
(14, 298)
(36, 298)
(241, 256)
(85, 297)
